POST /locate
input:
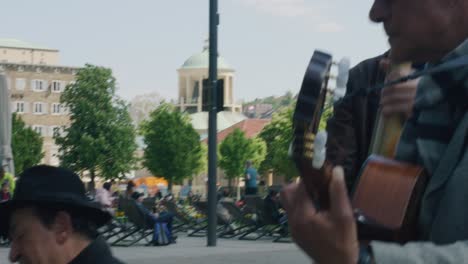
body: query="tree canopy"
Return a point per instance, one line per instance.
(101, 137)
(278, 136)
(173, 149)
(26, 144)
(235, 150)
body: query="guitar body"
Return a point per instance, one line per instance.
(387, 199)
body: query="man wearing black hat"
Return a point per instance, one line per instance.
(50, 220)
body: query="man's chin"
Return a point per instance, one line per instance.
(399, 54)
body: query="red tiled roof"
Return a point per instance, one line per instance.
(251, 128)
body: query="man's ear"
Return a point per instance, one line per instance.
(62, 227)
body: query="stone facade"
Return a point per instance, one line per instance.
(36, 82)
(35, 92)
(29, 56)
(21, 52)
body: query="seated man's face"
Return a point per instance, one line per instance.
(31, 241)
(6, 188)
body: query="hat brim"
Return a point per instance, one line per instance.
(90, 210)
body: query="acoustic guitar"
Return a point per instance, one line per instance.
(388, 192)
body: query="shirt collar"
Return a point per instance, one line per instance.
(96, 252)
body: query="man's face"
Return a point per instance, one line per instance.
(420, 30)
(31, 241)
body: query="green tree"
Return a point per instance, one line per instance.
(173, 149)
(101, 137)
(278, 136)
(259, 151)
(203, 154)
(235, 150)
(26, 144)
(287, 99)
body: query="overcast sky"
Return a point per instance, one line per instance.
(267, 42)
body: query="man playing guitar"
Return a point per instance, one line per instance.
(432, 31)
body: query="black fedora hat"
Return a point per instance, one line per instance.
(51, 186)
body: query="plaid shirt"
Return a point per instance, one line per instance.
(441, 101)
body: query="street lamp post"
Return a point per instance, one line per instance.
(212, 131)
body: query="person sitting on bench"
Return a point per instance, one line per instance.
(157, 217)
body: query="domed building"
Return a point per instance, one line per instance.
(192, 75)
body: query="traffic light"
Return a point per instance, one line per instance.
(206, 96)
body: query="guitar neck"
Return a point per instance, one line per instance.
(387, 129)
(386, 135)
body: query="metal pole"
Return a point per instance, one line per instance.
(212, 131)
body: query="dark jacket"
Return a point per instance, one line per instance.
(97, 252)
(350, 129)
(272, 208)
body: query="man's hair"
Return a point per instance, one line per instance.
(81, 225)
(130, 185)
(107, 186)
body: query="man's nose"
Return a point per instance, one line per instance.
(379, 11)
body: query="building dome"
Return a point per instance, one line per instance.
(201, 61)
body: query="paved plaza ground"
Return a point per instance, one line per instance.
(193, 250)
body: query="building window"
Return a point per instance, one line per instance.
(56, 108)
(38, 85)
(56, 86)
(39, 129)
(19, 107)
(40, 108)
(20, 83)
